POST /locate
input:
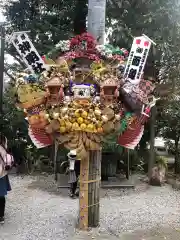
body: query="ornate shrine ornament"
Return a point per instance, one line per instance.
(82, 99)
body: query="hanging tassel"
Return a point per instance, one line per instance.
(116, 93)
(61, 93)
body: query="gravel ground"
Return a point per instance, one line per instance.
(37, 211)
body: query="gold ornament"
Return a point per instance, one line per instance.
(90, 127)
(55, 115)
(75, 126)
(86, 121)
(94, 120)
(84, 114)
(62, 122)
(117, 117)
(83, 126)
(104, 118)
(68, 125)
(97, 112)
(77, 113)
(100, 130)
(62, 129)
(64, 110)
(46, 116)
(80, 120)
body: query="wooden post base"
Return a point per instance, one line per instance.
(90, 176)
(83, 194)
(94, 188)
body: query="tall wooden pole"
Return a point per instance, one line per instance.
(55, 160)
(90, 174)
(152, 137)
(2, 46)
(96, 26)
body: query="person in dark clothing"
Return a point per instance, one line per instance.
(74, 171)
(5, 165)
(4, 188)
(74, 184)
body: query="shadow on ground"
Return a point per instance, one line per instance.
(47, 183)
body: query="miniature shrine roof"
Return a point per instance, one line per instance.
(110, 81)
(54, 81)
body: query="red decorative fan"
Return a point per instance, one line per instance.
(132, 136)
(40, 138)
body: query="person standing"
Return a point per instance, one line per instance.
(74, 171)
(6, 162)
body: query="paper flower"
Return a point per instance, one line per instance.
(64, 45)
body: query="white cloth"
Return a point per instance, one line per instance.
(3, 155)
(5, 160)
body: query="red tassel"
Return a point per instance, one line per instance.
(116, 93)
(61, 93)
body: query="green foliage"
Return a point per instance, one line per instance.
(169, 125)
(170, 121)
(48, 21)
(162, 162)
(157, 19)
(112, 147)
(12, 120)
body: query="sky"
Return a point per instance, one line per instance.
(2, 18)
(8, 58)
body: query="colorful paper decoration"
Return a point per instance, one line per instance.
(137, 59)
(39, 137)
(82, 100)
(132, 136)
(29, 54)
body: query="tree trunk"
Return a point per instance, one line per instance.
(80, 17)
(177, 160)
(109, 165)
(90, 169)
(56, 145)
(152, 137)
(96, 19)
(2, 42)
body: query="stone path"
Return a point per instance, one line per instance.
(153, 234)
(37, 210)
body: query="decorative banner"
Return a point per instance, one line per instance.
(28, 52)
(137, 59)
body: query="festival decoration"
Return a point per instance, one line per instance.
(29, 54)
(137, 59)
(82, 99)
